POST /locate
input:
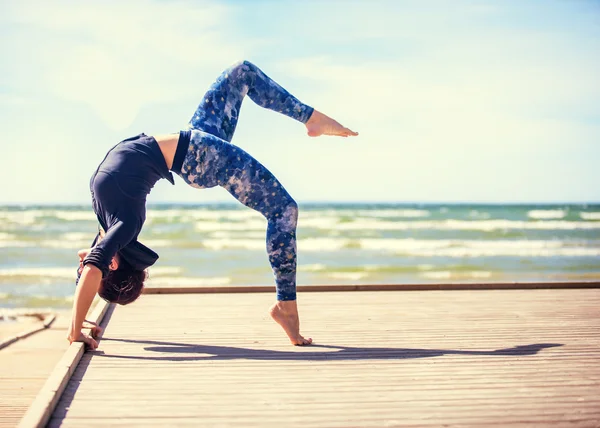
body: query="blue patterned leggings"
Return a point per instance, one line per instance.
(212, 160)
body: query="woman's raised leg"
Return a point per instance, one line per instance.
(219, 110)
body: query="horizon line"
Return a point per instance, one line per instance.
(316, 202)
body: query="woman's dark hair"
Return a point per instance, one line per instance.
(123, 285)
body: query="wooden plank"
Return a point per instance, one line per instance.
(437, 358)
(47, 322)
(25, 366)
(375, 287)
(41, 409)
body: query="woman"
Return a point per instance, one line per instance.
(204, 157)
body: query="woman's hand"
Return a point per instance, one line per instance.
(96, 329)
(82, 255)
(85, 338)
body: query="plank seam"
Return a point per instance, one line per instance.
(48, 320)
(375, 287)
(39, 412)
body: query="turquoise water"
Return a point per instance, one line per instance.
(222, 244)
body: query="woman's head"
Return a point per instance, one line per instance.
(123, 284)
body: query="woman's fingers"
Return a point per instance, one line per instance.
(96, 331)
(90, 341)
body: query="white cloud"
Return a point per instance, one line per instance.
(116, 57)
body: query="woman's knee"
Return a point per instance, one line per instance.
(241, 68)
(289, 215)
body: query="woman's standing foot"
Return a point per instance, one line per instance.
(285, 313)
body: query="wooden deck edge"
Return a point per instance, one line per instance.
(46, 323)
(376, 287)
(40, 411)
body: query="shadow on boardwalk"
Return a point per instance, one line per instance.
(190, 352)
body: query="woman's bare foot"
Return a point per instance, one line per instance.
(320, 124)
(285, 313)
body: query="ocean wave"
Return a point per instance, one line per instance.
(225, 234)
(41, 303)
(194, 215)
(457, 275)
(62, 244)
(30, 217)
(394, 213)
(475, 225)
(229, 244)
(316, 267)
(421, 247)
(10, 243)
(253, 225)
(473, 248)
(176, 281)
(590, 215)
(47, 272)
(161, 243)
(161, 271)
(351, 276)
(546, 214)
(78, 236)
(479, 214)
(323, 223)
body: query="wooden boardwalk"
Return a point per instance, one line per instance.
(26, 364)
(381, 359)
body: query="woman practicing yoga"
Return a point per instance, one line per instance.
(204, 157)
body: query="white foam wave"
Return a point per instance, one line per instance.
(224, 234)
(10, 243)
(437, 275)
(352, 276)
(159, 243)
(212, 226)
(406, 213)
(316, 267)
(424, 248)
(590, 216)
(186, 215)
(69, 245)
(457, 275)
(546, 214)
(78, 236)
(169, 281)
(241, 244)
(46, 272)
(158, 271)
(30, 217)
(484, 225)
(325, 223)
(474, 248)
(74, 215)
(322, 244)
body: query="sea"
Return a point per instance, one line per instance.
(341, 243)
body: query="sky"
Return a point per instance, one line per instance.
(461, 101)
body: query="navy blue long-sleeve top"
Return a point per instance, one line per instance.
(119, 189)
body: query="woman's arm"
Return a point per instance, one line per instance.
(88, 286)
